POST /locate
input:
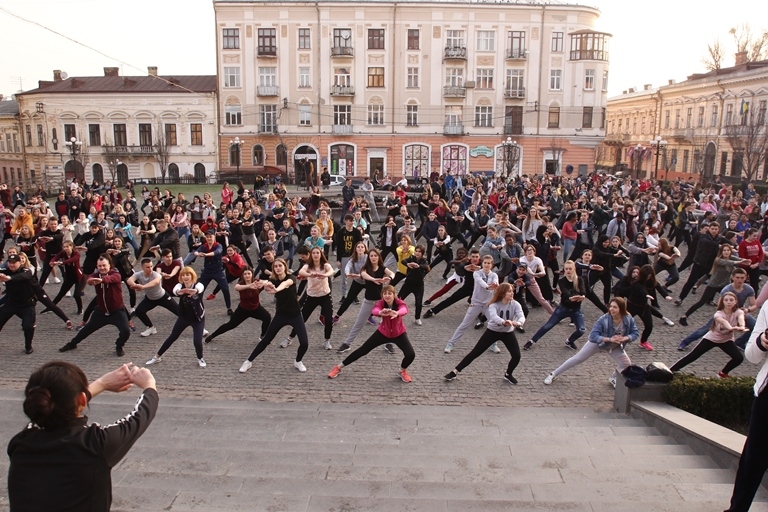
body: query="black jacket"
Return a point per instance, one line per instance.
(168, 239)
(19, 289)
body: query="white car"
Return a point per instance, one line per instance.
(338, 181)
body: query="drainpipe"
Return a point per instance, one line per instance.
(319, 92)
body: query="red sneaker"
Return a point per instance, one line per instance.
(211, 296)
(646, 345)
(721, 375)
(403, 375)
(335, 371)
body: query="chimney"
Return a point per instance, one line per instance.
(671, 81)
(647, 87)
(57, 75)
(152, 70)
(111, 71)
(740, 58)
(631, 90)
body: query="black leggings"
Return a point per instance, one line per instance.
(708, 294)
(70, 281)
(326, 310)
(98, 320)
(645, 314)
(461, 293)
(445, 256)
(277, 323)
(376, 340)
(754, 458)
(354, 290)
(604, 278)
(27, 316)
(488, 338)
(146, 305)
(244, 251)
(241, 315)
(230, 278)
(704, 346)
(198, 326)
(417, 289)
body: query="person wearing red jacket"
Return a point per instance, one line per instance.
(391, 331)
(69, 260)
(234, 265)
(751, 249)
(110, 309)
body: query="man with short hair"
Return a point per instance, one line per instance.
(706, 252)
(213, 267)
(151, 282)
(166, 238)
(346, 240)
(347, 196)
(21, 299)
(49, 240)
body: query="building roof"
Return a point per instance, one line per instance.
(563, 3)
(128, 84)
(747, 66)
(9, 108)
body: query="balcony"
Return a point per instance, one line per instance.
(457, 52)
(453, 129)
(267, 52)
(341, 129)
(617, 139)
(514, 92)
(141, 150)
(454, 91)
(517, 54)
(589, 55)
(342, 51)
(268, 128)
(268, 90)
(513, 129)
(342, 90)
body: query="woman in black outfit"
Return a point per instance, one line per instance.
(388, 239)
(249, 307)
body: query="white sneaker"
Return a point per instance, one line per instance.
(612, 380)
(551, 377)
(68, 294)
(201, 362)
(286, 342)
(246, 366)
(668, 322)
(299, 366)
(448, 348)
(495, 348)
(418, 322)
(327, 346)
(155, 359)
(205, 332)
(57, 280)
(149, 331)
(130, 311)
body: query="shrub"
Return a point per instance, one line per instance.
(726, 402)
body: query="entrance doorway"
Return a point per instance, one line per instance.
(709, 162)
(305, 165)
(122, 175)
(73, 169)
(199, 173)
(376, 167)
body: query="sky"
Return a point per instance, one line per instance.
(653, 40)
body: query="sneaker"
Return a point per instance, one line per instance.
(693, 290)
(28, 350)
(448, 348)
(520, 330)
(132, 327)
(452, 375)
(68, 294)
(287, 341)
(571, 324)
(646, 345)
(427, 302)
(668, 321)
(155, 359)
(342, 348)
(119, 351)
(80, 326)
(528, 344)
(69, 325)
(429, 314)
(495, 348)
(612, 380)
(201, 362)
(327, 345)
(205, 332)
(57, 280)
(681, 347)
(418, 322)
(321, 319)
(299, 366)
(245, 366)
(149, 331)
(549, 379)
(683, 321)
(389, 348)
(356, 301)
(336, 319)
(479, 325)
(372, 320)
(571, 344)
(678, 302)
(335, 371)
(403, 374)
(211, 296)
(721, 375)
(510, 379)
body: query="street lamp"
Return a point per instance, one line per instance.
(235, 144)
(637, 154)
(658, 144)
(75, 146)
(511, 155)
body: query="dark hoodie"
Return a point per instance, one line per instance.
(639, 258)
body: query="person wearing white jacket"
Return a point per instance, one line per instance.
(754, 457)
(504, 316)
(486, 283)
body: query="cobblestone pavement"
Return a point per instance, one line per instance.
(370, 380)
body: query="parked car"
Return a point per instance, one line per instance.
(337, 181)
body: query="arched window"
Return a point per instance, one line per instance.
(98, 173)
(454, 158)
(258, 154)
(173, 172)
(417, 160)
(281, 155)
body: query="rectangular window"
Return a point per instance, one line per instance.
(486, 40)
(484, 117)
(305, 80)
(589, 79)
(196, 134)
(713, 118)
(342, 114)
(557, 42)
(232, 76)
(761, 112)
(16, 144)
(376, 115)
(515, 82)
(28, 132)
(454, 39)
(305, 39)
(231, 39)
(413, 77)
(689, 118)
(621, 121)
(267, 41)
(375, 38)
(170, 134)
(305, 115)
(700, 122)
(145, 134)
(642, 125)
(375, 77)
(69, 132)
(677, 119)
(413, 39)
(40, 138)
(454, 115)
(268, 76)
(723, 162)
(729, 115)
(454, 77)
(555, 79)
(553, 120)
(341, 77)
(603, 117)
(121, 135)
(667, 117)
(686, 158)
(516, 44)
(586, 118)
(267, 118)
(233, 115)
(605, 80)
(673, 161)
(484, 78)
(412, 115)
(342, 38)
(94, 135)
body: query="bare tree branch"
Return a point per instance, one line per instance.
(162, 150)
(748, 137)
(755, 46)
(715, 56)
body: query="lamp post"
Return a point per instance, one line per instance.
(75, 146)
(235, 144)
(637, 154)
(511, 155)
(658, 144)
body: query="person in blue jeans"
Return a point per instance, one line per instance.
(572, 294)
(213, 267)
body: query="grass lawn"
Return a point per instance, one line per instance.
(191, 191)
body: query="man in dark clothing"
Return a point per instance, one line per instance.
(706, 252)
(50, 239)
(18, 286)
(346, 241)
(94, 245)
(600, 216)
(584, 238)
(465, 292)
(347, 196)
(61, 207)
(213, 266)
(166, 238)
(109, 310)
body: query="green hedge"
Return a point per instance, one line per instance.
(726, 402)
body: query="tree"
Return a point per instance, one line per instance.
(111, 155)
(748, 137)
(162, 150)
(715, 55)
(755, 46)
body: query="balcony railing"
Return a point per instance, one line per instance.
(517, 54)
(454, 91)
(342, 129)
(453, 129)
(513, 129)
(267, 128)
(342, 90)
(514, 92)
(129, 150)
(267, 51)
(342, 51)
(455, 52)
(268, 90)
(589, 55)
